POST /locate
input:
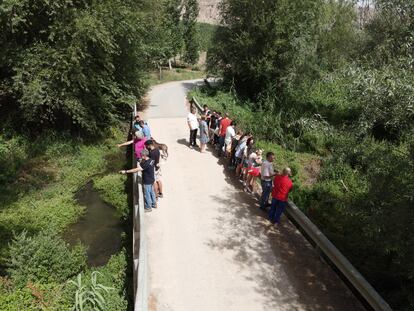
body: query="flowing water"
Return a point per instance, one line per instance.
(99, 229)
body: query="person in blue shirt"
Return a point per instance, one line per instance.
(145, 129)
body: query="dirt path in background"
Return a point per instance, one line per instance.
(211, 248)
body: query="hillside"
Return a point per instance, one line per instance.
(209, 12)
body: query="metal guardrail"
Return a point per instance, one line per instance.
(139, 241)
(352, 275)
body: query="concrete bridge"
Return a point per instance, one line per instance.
(210, 248)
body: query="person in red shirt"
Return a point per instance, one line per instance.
(282, 185)
(224, 124)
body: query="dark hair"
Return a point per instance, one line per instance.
(149, 143)
(233, 123)
(269, 154)
(219, 113)
(205, 106)
(249, 140)
(141, 122)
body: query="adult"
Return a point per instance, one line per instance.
(224, 123)
(230, 133)
(234, 144)
(139, 144)
(282, 185)
(217, 129)
(267, 173)
(145, 129)
(146, 165)
(207, 114)
(248, 149)
(192, 122)
(253, 170)
(136, 125)
(203, 133)
(240, 151)
(154, 154)
(212, 125)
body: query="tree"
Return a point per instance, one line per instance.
(72, 65)
(173, 26)
(265, 45)
(189, 20)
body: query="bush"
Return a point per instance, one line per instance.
(112, 190)
(44, 258)
(113, 275)
(33, 297)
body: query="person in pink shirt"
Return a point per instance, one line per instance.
(139, 144)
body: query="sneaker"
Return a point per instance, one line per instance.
(155, 206)
(160, 195)
(147, 210)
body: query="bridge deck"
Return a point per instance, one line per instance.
(211, 248)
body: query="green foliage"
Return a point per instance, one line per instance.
(72, 65)
(43, 258)
(386, 98)
(189, 21)
(112, 275)
(173, 26)
(205, 35)
(33, 297)
(112, 190)
(89, 297)
(390, 34)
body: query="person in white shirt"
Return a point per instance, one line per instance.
(192, 122)
(230, 133)
(267, 173)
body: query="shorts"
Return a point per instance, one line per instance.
(254, 171)
(158, 174)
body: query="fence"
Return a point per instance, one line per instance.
(139, 242)
(316, 237)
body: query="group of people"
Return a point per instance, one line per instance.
(243, 157)
(148, 158)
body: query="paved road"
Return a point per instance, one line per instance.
(210, 247)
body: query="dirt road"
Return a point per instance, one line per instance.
(211, 248)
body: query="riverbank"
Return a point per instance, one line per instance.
(41, 202)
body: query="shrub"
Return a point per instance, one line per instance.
(44, 257)
(113, 275)
(89, 297)
(112, 190)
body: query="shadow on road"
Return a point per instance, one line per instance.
(284, 265)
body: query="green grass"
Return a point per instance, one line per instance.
(176, 74)
(205, 33)
(111, 188)
(41, 196)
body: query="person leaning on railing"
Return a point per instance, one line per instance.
(138, 142)
(267, 173)
(282, 185)
(155, 154)
(146, 165)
